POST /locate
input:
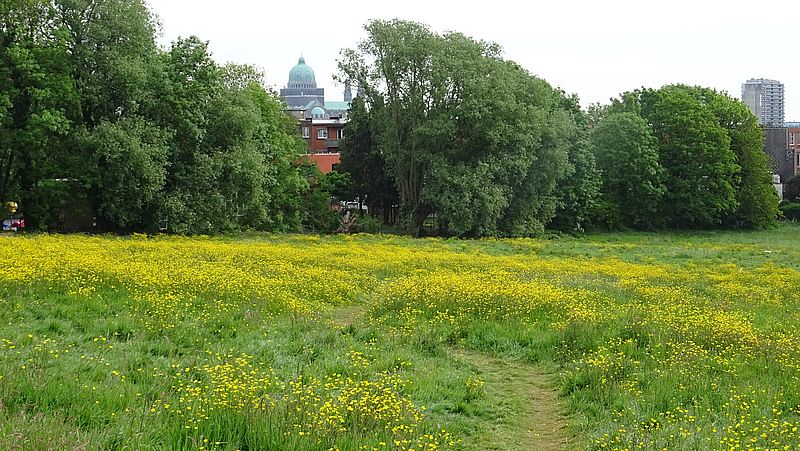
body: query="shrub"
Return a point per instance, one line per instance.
(368, 224)
(790, 211)
(791, 189)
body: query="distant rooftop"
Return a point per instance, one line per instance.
(763, 80)
(333, 105)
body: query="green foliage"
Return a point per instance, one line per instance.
(233, 160)
(606, 215)
(711, 151)
(791, 190)
(156, 137)
(368, 224)
(578, 192)
(365, 164)
(340, 185)
(711, 148)
(131, 157)
(595, 113)
(695, 151)
(318, 215)
(756, 197)
(790, 211)
(46, 200)
(398, 82)
(446, 128)
(38, 99)
(627, 153)
(464, 134)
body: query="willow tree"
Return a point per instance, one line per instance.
(464, 134)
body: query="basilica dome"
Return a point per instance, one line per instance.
(301, 76)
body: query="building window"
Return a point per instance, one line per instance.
(322, 133)
(791, 139)
(306, 132)
(340, 133)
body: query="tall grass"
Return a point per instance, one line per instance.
(657, 341)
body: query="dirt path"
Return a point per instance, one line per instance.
(528, 411)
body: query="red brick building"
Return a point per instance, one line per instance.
(321, 122)
(793, 144)
(323, 135)
(782, 145)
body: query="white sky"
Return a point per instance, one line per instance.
(595, 48)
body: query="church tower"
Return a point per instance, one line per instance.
(348, 93)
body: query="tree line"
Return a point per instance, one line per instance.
(447, 128)
(98, 121)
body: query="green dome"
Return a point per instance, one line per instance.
(302, 76)
(317, 112)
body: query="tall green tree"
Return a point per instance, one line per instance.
(401, 78)
(91, 108)
(694, 150)
(712, 151)
(232, 159)
(627, 153)
(190, 201)
(70, 68)
(757, 200)
(578, 192)
(38, 101)
(464, 134)
(131, 156)
(278, 141)
(361, 158)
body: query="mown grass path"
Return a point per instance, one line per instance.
(528, 411)
(348, 315)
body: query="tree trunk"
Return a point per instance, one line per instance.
(5, 174)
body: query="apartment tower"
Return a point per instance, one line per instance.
(765, 99)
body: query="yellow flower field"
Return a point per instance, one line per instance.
(658, 342)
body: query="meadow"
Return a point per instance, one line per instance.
(644, 341)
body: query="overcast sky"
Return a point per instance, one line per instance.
(596, 49)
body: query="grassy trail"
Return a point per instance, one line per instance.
(348, 315)
(527, 414)
(527, 409)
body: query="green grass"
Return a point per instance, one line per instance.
(685, 340)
